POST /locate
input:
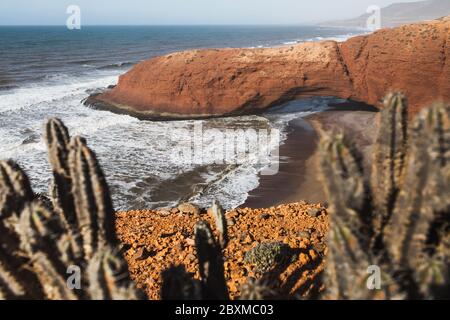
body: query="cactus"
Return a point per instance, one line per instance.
(423, 204)
(268, 256)
(221, 222)
(210, 260)
(45, 201)
(15, 189)
(179, 285)
(15, 192)
(39, 235)
(109, 278)
(389, 157)
(57, 139)
(92, 202)
(344, 260)
(345, 186)
(257, 289)
(42, 241)
(406, 218)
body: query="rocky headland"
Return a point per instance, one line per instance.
(220, 82)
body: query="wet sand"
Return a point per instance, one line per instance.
(298, 177)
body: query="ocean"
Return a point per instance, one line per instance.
(47, 71)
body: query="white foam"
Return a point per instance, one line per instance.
(131, 152)
(38, 93)
(337, 38)
(290, 42)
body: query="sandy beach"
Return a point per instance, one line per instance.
(298, 178)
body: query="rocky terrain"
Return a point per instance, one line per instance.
(156, 240)
(204, 83)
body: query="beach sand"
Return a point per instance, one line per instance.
(298, 177)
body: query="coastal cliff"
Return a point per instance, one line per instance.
(205, 83)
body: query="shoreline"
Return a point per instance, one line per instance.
(298, 176)
(295, 153)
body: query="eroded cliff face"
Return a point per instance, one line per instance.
(203, 83)
(412, 59)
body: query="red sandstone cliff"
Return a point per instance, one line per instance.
(412, 59)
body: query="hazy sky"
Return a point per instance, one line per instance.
(98, 12)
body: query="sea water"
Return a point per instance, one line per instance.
(47, 71)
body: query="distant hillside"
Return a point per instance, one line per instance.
(400, 13)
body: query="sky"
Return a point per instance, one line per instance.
(183, 12)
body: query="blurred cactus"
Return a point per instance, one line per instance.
(257, 289)
(389, 157)
(400, 222)
(345, 186)
(15, 189)
(179, 285)
(210, 260)
(268, 256)
(347, 266)
(15, 192)
(92, 202)
(109, 278)
(57, 140)
(221, 222)
(42, 241)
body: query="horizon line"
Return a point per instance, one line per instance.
(165, 24)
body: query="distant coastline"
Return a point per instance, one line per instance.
(397, 14)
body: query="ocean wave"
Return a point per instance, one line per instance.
(58, 87)
(291, 42)
(119, 65)
(337, 38)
